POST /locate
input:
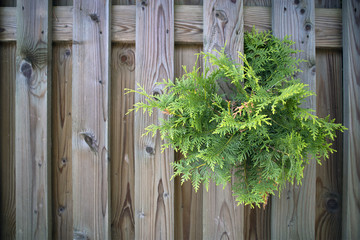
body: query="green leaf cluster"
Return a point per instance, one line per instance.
(257, 139)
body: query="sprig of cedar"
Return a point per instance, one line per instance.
(260, 139)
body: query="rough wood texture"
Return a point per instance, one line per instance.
(351, 70)
(7, 160)
(188, 203)
(154, 193)
(122, 143)
(329, 174)
(223, 23)
(263, 3)
(32, 128)
(188, 24)
(61, 142)
(293, 215)
(257, 225)
(90, 117)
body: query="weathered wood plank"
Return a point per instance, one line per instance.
(90, 118)
(7, 161)
(263, 3)
(188, 203)
(329, 174)
(154, 193)
(188, 24)
(223, 23)
(351, 71)
(293, 215)
(61, 142)
(32, 128)
(122, 143)
(257, 220)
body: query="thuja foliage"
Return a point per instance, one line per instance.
(259, 137)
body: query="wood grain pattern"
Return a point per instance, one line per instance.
(263, 3)
(223, 23)
(188, 203)
(188, 24)
(61, 142)
(293, 215)
(122, 143)
(32, 128)
(351, 71)
(257, 225)
(329, 174)
(90, 118)
(7, 160)
(154, 193)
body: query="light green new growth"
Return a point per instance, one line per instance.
(261, 135)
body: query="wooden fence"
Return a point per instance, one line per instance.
(73, 166)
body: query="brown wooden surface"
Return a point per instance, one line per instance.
(122, 143)
(351, 70)
(7, 122)
(188, 203)
(154, 61)
(32, 134)
(61, 142)
(223, 24)
(188, 24)
(329, 174)
(293, 214)
(90, 120)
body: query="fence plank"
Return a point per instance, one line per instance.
(154, 193)
(188, 203)
(90, 88)
(293, 215)
(187, 29)
(351, 59)
(122, 143)
(329, 174)
(223, 23)
(32, 133)
(7, 161)
(61, 142)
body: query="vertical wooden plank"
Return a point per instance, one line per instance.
(7, 163)
(154, 193)
(351, 70)
(61, 142)
(329, 174)
(293, 214)
(223, 23)
(257, 220)
(188, 203)
(122, 143)
(90, 117)
(32, 128)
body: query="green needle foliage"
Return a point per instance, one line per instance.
(258, 138)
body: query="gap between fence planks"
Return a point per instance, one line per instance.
(293, 214)
(188, 24)
(351, 76)
(223, 24)
(90, 120)
(154, 61)
(32, 119)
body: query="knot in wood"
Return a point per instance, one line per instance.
(332, 205)
(2, 29)
(308, 27)
(302, 11)
(91, 141)
(61, 210)
(150, 150)
(67, 52)
(297, 1)
(26, 69)
(233, 1)
(221, 15)
(94, 17)
(156, 93)
(144, 3)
